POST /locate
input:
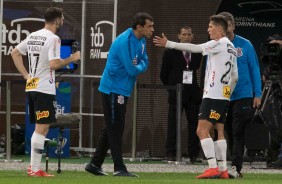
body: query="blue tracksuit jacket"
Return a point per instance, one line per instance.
(249, 81)
(120, 74)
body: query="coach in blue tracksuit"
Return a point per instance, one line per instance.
(127, 58)
(245, 97)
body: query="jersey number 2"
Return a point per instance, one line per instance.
(225, 77)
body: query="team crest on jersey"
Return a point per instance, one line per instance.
(120, 99)
(239, 52)
(226, 91)
(214, 115)
(32, 83)
(42, 114)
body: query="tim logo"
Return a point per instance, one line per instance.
(98, 38)
(64, 141)
(214, 115)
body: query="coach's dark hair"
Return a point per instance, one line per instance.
(229, 17)
(140, 19)
(220, 20)
(52, 14)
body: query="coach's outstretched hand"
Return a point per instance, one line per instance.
(160, 41)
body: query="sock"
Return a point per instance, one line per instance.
(220, 148)
(37, 146)
(208, 148)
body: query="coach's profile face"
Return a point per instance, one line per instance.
(148, 29)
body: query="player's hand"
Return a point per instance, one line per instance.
(256, 102)
(26, 77)
(160, 41)
(76, 57)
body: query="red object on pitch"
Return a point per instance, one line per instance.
(211, 173)
(40, 173)
(224, 175)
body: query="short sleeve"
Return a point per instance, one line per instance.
(212, 46)
(54, 49)
(22, 47)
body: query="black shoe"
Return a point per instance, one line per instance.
(124, 173)
(234, 173)
(195, 160)
(95, 170)
(277, 164)
(171, 158)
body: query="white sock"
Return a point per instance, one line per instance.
(37, 146)
(208, 148)
(220, 148)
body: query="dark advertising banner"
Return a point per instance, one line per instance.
(22, 18)
(99, 34)
(255, 20)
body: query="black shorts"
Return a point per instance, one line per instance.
(213, 110)
(42, 107)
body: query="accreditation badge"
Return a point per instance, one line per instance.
(187, 77)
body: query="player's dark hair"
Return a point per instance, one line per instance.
(220, 20)
(52, 13)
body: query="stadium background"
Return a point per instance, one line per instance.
(152, 102)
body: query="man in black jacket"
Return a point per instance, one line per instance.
(181, 67)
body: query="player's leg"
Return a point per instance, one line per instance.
(44, 108)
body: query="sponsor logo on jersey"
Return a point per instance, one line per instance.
(40, 43)
(32, 83)
(55, 48)
(43, 114)
(212, 47)
(212, 81)
(226, 91)
(51, 80)
(231, 49)
(214, 115)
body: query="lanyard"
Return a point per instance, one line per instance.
(187, 57)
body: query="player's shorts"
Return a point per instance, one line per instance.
(213, 110)
(42, 107)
